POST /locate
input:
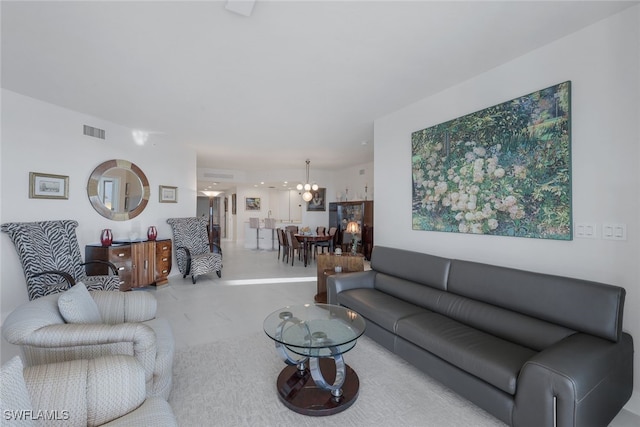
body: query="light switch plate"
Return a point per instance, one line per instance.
(614, 231)
(586, 230)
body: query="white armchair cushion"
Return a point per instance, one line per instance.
(77, 306)
(128, 327)
(121, 307)
(15, 397)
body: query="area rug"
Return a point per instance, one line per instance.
(233, 383)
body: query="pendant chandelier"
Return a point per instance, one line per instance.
(307, 196)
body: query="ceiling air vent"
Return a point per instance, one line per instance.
(94, 132)
(218, 175)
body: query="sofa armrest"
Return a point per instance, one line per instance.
(581, 380)
(87, 392)
(57, 343)
(346, 281)
(121, 307)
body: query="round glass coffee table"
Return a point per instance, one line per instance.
(311, 340)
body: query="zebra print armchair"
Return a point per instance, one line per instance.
(192, 248)
(51, 259)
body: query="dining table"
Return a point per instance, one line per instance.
(307, 241)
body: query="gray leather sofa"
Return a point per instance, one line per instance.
(532, 349)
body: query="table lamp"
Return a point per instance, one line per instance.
(353, 228)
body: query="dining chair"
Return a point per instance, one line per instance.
(294, 245)
(320, 231)
(327, 244)
(51, 258)
(282, 244)
(292, 228)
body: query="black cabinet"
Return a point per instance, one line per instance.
(361, 212)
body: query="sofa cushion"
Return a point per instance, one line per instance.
(77, 306)
(381, 308)
(165, 349)
(15, 396)
(598, 310)
(417, 267)
(506, 324)
(485, 356)
(406, 290)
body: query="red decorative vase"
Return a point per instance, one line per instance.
(152, 233)
(106, 238)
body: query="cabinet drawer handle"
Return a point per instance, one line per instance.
(121, 255)
(164, 271)
(146, 264)
(164, 248)
(120, 268)
(165, 259)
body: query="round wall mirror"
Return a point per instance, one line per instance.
(118, 190)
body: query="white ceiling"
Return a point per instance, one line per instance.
(295, 80)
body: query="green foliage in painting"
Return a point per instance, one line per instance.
(505, 170)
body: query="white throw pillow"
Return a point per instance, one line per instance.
(15, 396)
(77, 306)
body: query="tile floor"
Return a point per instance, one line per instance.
(253, 284)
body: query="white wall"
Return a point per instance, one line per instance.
(40, 137)
(603, 63)
(350, 183)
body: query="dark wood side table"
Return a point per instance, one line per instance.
(321, 296)
(349, 263)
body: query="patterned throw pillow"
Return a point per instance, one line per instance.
(77, 306)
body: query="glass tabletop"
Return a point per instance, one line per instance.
(317, 330)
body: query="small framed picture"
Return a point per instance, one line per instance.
(168, 194)
(47, 186)
(252, 203)
(317, 203)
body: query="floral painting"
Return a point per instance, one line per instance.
(504, 170)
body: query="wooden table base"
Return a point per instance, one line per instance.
(299, 392)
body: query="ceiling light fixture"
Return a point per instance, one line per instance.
(241, 7)
(307, 196)
(139, 136)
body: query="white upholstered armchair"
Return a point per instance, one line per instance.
(78, 324)
(107, 391)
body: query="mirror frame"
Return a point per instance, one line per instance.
(94, 199)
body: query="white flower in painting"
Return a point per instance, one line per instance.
(493, 223)
(510, 201)
(476, 228)
(463, 228)
(480, 151)
(441, 187)
(498, 173)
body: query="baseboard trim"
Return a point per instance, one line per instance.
(633, 405)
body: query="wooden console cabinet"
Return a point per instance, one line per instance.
(163, 261)
(348, 262)
(139, 264)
